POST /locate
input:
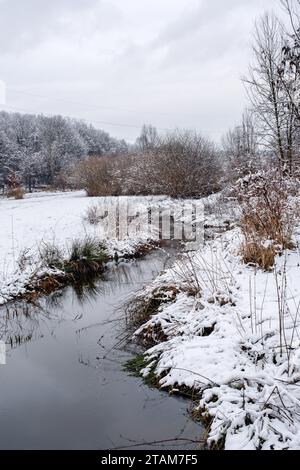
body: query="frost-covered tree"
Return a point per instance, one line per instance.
(273, 84)
(41, 149)
(241, 148)
(148, 140)
(264, 86)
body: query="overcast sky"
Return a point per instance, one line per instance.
(172, 63)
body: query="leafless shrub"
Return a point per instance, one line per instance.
(97, 176)
(268, 217)
(113, 175)
(184, 164)
(16, 193)
(181, 164)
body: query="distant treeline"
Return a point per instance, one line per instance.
(40, 150)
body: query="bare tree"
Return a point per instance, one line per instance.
(290, 72)
(241, 149)
(268, 97)
(148, 140)
(292, 9)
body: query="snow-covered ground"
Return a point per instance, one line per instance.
(235, 340)
(56, 218)
(25, 224)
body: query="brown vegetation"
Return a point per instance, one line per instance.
(16, 193)
(182, 164)
(268, 217)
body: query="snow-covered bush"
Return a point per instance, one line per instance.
(92, 215)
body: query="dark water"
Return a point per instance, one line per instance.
(64, 386)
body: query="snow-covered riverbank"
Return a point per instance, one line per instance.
(231, 334)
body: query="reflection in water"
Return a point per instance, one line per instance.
(64, 386)
(22, 321)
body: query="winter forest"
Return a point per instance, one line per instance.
(39, 150)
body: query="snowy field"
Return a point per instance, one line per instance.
(25, 224)
(41, 218)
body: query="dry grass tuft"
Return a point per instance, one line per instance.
(258, 254)
(87, 258)
(140, 308)
(269, 212)
(16, 193)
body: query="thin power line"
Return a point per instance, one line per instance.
(63, 100)
(101, 107)
(90, 105)
(107, 123)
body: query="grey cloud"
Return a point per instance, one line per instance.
(25, 24)
(208, 30)
(169, 62)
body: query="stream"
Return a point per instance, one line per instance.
(64, 385)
